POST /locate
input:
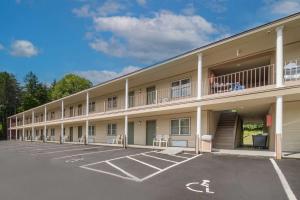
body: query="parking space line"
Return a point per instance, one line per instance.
(65, 150)
(104, 172)
(152, 166)
(159, 158)
(88, 153)
(172, 155)
(95, 163)
(123, 171)
(189, 153)
(47, 148)
(167, 168)
(284, 182)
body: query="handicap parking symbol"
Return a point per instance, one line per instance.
(204, 184)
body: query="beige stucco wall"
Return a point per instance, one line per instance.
(163, 127)
(291, 126)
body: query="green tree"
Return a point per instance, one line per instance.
(69, 84)
(9, 99)
(34, 93)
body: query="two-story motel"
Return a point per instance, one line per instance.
(253, 76)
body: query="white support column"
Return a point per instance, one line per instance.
(62, 109)
(45, 127)
(61, 133)
(9, 128)
(126, 132)
(32, 128)
(199, 74)
(16, 132)
(23, 123)
(278, 124)
(198, 132)
(87, 104)
(86, 132)
(279, 56)
(126, 94)
(199, 95)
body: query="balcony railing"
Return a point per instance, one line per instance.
(53, 116)
(74, 113)
(292, 70)
(251, 78)
(162, 96)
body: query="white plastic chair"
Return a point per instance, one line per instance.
(164, 140)
(157, 140)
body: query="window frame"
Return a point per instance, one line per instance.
(112, 102)
(181, 88)
(110, 129)
(179, 126)
(92, 106)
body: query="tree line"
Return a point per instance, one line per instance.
(16, 97)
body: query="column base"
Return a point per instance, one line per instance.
(278, 146)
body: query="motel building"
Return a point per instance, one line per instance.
(239, 93)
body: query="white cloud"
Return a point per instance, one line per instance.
(83, 11)
(23, 48)
(284, 7)
(150, 39)
(141, 2)
(189, 9)
(96, 76)
(109, 7)
(1, 46)
(217, 6)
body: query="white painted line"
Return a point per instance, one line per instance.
(144, 154)
(189, 153)
(66, 150)
(95, 163)
(81, 154)
(167, 168)
(123, 171)
(172, 155)
(285, 184)
(144, 163)
(104, 172)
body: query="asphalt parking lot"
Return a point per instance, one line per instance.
(54, 171)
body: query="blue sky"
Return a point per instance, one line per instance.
(103, 39)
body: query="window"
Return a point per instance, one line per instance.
(112, 102)
(180, 126)
(52, 132)
(151, 95)
(92, 130)
(52, 116)
(92, 106)
(79, 109)
(130, 99)
(181, 88)
(111, 129)
(79, 132)
(71, 111)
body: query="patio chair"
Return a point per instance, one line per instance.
(116, 139)
(164, 140)
(121, 139)
(157, 140)
(81, 140)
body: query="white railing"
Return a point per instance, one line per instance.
(163, 95)
(55, 116)
(251, 78)
(292, 70)
(118, 104)
(75, 112)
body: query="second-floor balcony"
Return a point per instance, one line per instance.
(292, 70)
(241, 80)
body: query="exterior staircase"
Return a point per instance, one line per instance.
(226, 131)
